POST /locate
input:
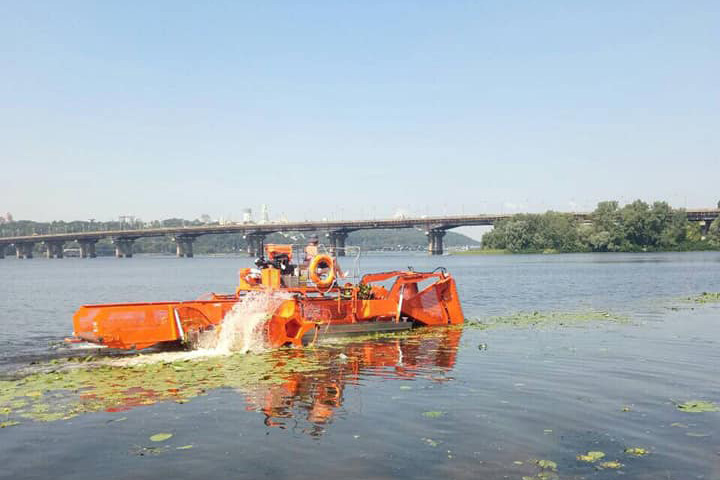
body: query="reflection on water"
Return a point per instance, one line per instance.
(303, 385)
(307, 401)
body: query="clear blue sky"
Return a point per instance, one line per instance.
(355, 109)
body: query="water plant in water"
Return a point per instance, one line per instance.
(115, 384)
(591, 457)
(547, 319)
(637, 451)
(547, 465)
(160, 437)
(697, 406)
(89, 388)
(433, 414)
(706, 297)
(548, 469)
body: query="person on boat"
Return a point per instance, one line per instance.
(311, 249)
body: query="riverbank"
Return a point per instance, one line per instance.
(552, 251)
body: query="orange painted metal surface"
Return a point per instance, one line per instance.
(308, 309)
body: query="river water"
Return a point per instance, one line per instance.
(468, 403)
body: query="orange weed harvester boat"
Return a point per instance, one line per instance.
(314, 298)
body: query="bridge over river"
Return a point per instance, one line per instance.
(435, 228)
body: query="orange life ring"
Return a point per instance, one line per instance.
(315, 264)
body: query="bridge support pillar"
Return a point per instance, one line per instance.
(123, 247)
(54, 249)
(2, 250)
(337, 242)
(255, 243)
(184, 244)
(705, 228)
(24, 250)
(87, 248)
(435, 241)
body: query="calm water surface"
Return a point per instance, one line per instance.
(447, 404)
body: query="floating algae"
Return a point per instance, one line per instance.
(697, 406)
(113, 385)
(706, 297)
(546, 319)
(637, 451)
(433, 414)
(548, 469)
(613, 464)
(62, 395)
(591, 457)
(547, 465)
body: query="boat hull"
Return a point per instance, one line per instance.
(301, 315)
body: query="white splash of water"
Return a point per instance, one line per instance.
(241, 331)
(242, 328)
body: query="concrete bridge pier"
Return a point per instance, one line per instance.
(54, 249)
(87, 248)
(123, 247)
(337, 242)
(255, 243)
(24, 250)
(2, 251)
(705, 228)
(184, 244)
(435, 241)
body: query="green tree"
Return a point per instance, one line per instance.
(713, 235)
(606, 232)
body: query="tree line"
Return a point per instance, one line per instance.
(635, 227)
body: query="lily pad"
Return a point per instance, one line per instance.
(160, 437)
(591, 457)
(184, 447)
(698, 406)
(611, 464)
